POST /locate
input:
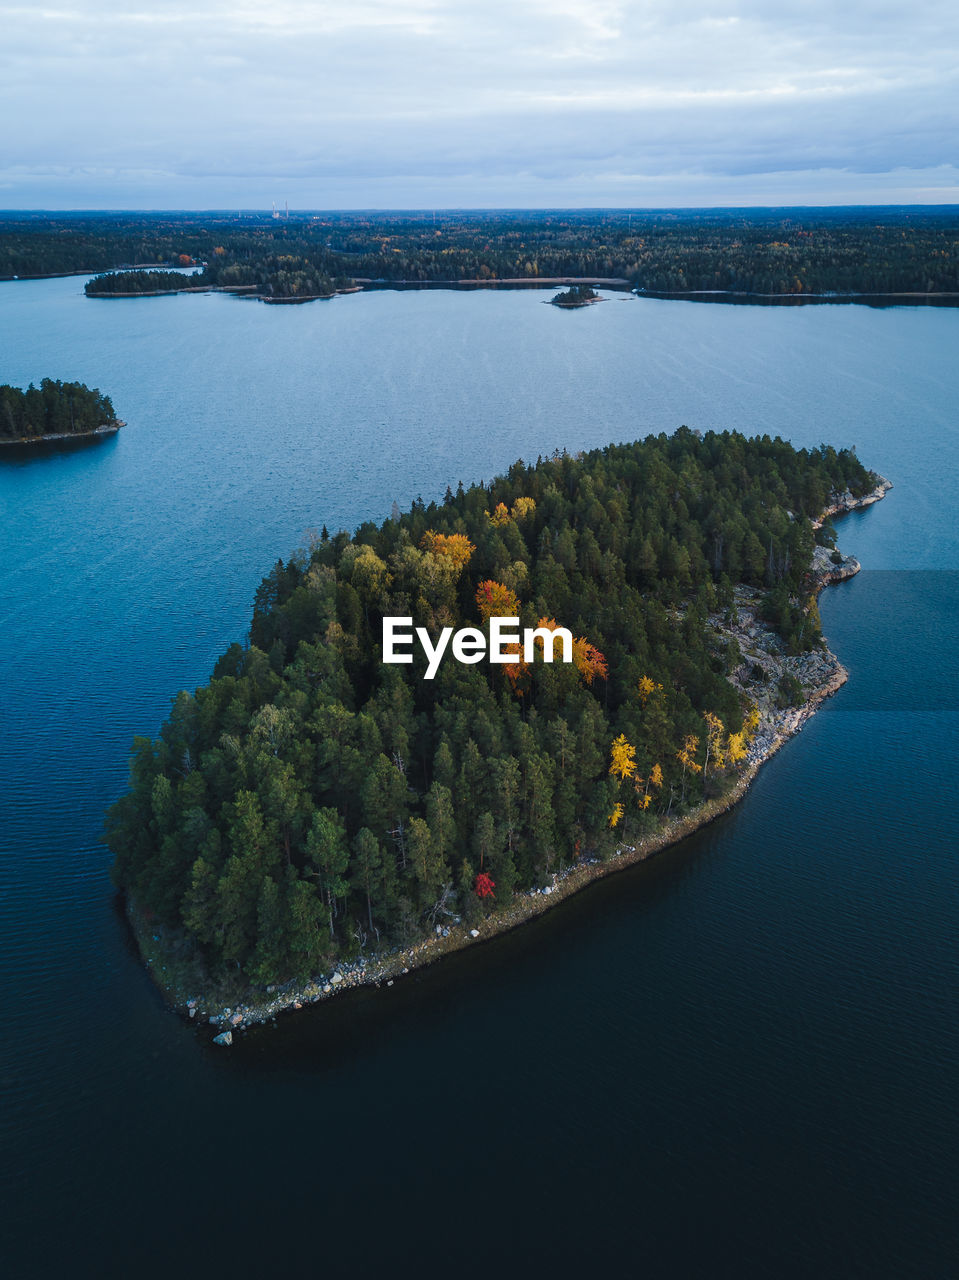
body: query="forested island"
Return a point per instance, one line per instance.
(783, 253)
(578, 295)
(53, 411)
(125, 283)
(313, 811)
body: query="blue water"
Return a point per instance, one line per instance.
(738, 1060)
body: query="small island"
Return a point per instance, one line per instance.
(140, 284)
(578, 295)
(315, 818)
(54, 411)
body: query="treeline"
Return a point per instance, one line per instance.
(288, 276)
(53, 408)
(792, 252)
(283, 276)
(125, 282)
(311, 801)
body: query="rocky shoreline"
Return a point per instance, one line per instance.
(764, 664)
(106, 429)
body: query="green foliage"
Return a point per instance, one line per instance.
(790, 693)
(310, 800)
(124, 282)
(576, 296)
(790, 253)
(53, 408)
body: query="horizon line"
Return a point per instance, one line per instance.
(429, 210)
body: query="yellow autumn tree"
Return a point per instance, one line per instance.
(736, 749)
(643, 797)
(616, 815)
(623, 758)
(523, 508)
(455, 547)
(500, 516)
(646, 687)
(686, 756)
(751, 723)
(715, 732)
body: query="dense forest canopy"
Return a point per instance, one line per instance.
(311, 801)
(138, 282)
(53, 408)
(774, 251)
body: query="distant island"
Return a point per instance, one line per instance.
(785, 254)
(578, 295)
(127, 284)
(54, 411)
(314, 818)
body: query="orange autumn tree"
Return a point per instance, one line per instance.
(587, 659)
(641, 786)
(522, 509)
(455, 547)
(493, 599)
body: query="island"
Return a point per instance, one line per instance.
(139, 284)
(315, 817)
(55, 411)
(578, 295)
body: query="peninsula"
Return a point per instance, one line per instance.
(315, 817)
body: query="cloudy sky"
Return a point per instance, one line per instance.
(469, 103)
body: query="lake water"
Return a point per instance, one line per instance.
(740, 1059)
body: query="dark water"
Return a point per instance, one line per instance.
(739, 1060)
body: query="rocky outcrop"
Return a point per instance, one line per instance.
(842, 503)
(832, 566)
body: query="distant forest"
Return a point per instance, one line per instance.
(794, 252)
(312, 802)
(53, 408)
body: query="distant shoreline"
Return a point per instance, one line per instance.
(65, 275)
(370, 285)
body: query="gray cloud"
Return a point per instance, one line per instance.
(397, 102)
